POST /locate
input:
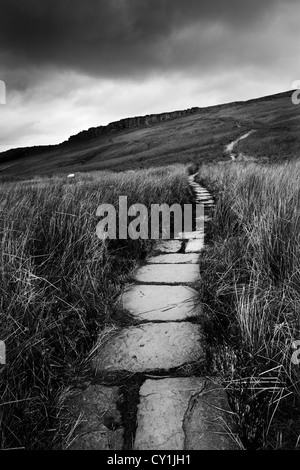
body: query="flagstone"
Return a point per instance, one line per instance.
(191, 235)
(183, 414)
(168, 246)
(161, 303)
(178, 258)
(168, 273)
(151, 347)
(194, 246)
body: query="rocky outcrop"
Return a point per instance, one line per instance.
(130, 123)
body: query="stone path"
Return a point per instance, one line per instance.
(161, 303)
(152, 347)
(175, 410)
(183, 414)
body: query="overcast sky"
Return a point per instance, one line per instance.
(72, 64)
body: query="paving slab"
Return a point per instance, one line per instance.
(182, 414)
(194, 246)
(161, 303)
(168, 273)
(151, 347)
(177, 258)
(100, 420)
(191, 235)
(168, 246)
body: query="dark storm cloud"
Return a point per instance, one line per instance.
(73, 64)
(120, 38)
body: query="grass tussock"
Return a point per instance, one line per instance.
(251, 293)
(59, 284)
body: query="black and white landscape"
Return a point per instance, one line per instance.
(187, 340)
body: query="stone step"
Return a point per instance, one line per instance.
(204, 196)
(168, 273)
(204, 199)
(177, 258)
(183, 414)
(161, 303)
(168, 246)
(97, 411)
(194, 246)
(191, 235)
(151, 347)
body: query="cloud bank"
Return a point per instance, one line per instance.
(71, 64)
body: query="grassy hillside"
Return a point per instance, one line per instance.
(200, 137)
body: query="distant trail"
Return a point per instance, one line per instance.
(230, 147)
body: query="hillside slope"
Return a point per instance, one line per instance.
(198, 134)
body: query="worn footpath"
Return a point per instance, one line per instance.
(176, 407)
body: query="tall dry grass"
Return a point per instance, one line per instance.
(59, 284)
(251, 291)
